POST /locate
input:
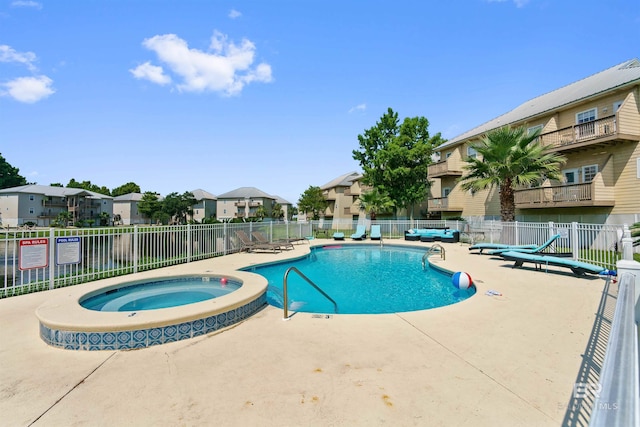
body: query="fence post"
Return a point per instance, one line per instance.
(575, 245)
(189, 243)
(135, 248)
(52, 258)
(224, 238)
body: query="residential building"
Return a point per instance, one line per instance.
(594, 123)
(206, 206)
(41, 205)
(286, 206)
(243, 202)
(125, 210)
(343, 194)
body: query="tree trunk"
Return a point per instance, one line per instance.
(507, 202)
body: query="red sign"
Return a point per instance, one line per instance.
(34, 253)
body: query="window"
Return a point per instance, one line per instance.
(447, 155)
(533, 129)
(31, 197)
(585, 120)
(589, 172)
(445, 192)
(616, 106)
(570, 176)
(471, 152)
(31, 211)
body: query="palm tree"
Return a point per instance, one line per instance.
(374, 202)
(510, 158)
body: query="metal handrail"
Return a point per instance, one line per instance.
(432, 250)
(617, 401)
(285, 292)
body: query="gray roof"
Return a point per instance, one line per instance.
(281, 200)
(129, 197)
(342, 181)
(47, 190)
(201, 195)
(246, 193)
(627, 73)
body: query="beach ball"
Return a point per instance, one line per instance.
(223, 281)
(461, 280)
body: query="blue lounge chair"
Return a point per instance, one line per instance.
(536, 250)
(338, 236)
(360, 234)
(493, 246)
(577, 267)
(375, 233)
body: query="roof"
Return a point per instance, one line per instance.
(47, 190)
(627, 73)
(201, 195)
(129, 197)
(281, 201)
(246, 193)
(342, 181)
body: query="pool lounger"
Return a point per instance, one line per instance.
(338, 236)
(491, 246)
(577, 267)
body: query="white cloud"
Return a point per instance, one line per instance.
(28, 89)
(8, 54)
(359, 107)
(150, 72)
(233, 14)
(227, 68)
(26, 3)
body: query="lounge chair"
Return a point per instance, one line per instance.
(577, 267)
(250, 246)
(261, 238)
(536, 250)
(338, 236)
(493, 246)
(375, 233)
(360, 234)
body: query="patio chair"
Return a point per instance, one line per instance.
(250, 246)
(536, 250)
(360, 234)
(577, 267)
(261, 238)
(375, 233)
(489, 246)
(338, 236)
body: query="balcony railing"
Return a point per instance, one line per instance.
(350, 192)
(589, 131)
(445, 167)
(442, 204)
(562, 196)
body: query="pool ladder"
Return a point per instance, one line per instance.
(285, 287)
(433, 249)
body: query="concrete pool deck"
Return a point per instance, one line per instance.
(488, 361)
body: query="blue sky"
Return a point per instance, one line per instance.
(181, 95)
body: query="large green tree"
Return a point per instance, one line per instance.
(9, 175)
(150, 205)
(509, 158)
(312, 201)
(129, 187)
(87, 185)
(179, 206)
(394, 158)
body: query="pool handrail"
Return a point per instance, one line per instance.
(431, 250)
(309, 281)
(617, 403)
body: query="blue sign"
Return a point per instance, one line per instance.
(68, 250)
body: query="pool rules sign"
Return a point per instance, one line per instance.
(34, 253)
(67, 250)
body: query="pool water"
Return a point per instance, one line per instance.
(362, 279)
(157, 294)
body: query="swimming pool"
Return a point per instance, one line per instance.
(153, 295)
(362, 279)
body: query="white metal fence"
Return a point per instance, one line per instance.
(51, 262)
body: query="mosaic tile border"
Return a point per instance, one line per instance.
(142, 338)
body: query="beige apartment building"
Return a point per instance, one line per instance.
(343, 195)
(594, 123)
(244, 203)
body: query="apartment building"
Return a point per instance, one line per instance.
(343, 194)
(594, 123)
(41, 205)
(206, 206)
(245, 202)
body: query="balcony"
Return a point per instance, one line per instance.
(447, 167)
(442, 204)
(558, 196)
(350, 192)
(243, 204)
(593, 133)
